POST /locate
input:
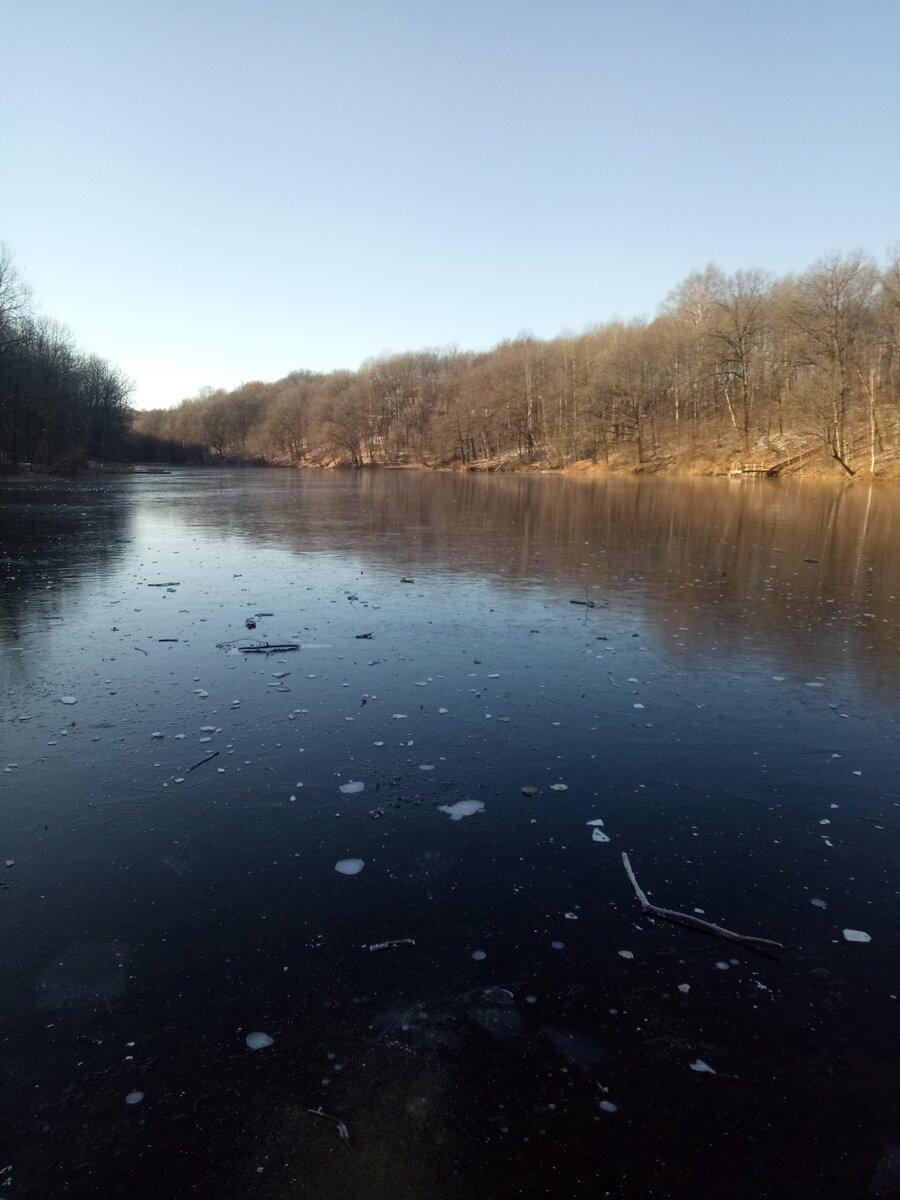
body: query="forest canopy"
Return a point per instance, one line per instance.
(731, 367)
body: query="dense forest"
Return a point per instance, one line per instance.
(734, 369)
(60, 407)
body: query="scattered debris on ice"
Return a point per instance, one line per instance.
(349, 866)
(258, 1041)
(462, 808)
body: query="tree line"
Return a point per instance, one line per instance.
(733, 366)
(60, 407)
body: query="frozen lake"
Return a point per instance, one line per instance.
(380, 875)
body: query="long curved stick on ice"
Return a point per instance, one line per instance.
(680, 918)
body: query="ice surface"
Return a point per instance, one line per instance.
(349, 866)
(258, 1041)
(462, 808)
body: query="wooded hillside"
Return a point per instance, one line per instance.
(59, 406)
(734, 369)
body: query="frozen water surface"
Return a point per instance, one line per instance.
(146, 920)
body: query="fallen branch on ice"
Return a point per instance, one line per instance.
(209, 757)
(266, 648)
(764, 945)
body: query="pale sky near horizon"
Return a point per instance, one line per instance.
(208, 193)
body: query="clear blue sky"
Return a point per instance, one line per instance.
(212, 192)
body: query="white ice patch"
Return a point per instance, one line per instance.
(350, 789)
(462, 808)
(349, 866)
(599, 836)
(700, 1065)
(608, 1106)
(134, 1097)
(856, 935)
(479, 955)
(598, 821)
(68, 699)
(443, 711)
(559, 787)
(258, 1041)
(426, 766)
(817, 903)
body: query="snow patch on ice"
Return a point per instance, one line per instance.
(702, 1067)
(349, 866)
(258, 1041)
(462, 808)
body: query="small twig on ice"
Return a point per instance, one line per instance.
(396, 943)
(208, 758)
(342, 1131)
(764, 945)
